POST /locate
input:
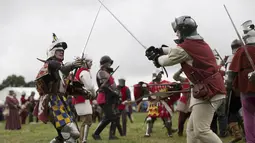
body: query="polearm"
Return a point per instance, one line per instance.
(247, 55)
(165, 84)
(218, 54)
(128, 31)
(232, 22)
(91, 31)
(87, 41)
(245, 48)
(161, 94)
(123, 25)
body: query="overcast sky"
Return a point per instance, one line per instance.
(26, 29)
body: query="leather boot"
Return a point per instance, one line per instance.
(112, 131)
(99, 129)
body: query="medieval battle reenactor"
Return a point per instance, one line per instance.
(31, 106)
(24, 108)
(233, 99)
(241, 77)
(52, 87)
(107, 98)
(160, 107)
(199, 65)
(123, 107)
(183, 103)
(12, 117)
(82, 104)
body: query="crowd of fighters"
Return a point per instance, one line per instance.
(66, 90)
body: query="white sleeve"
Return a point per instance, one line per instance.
(86, 79)
(165, 50)
(175, 56)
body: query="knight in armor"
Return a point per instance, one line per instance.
(107, 98)
(234, 118)
(241, 78)
(51, 85)
(123, 107)
(160, 107)
(199, 65)
(82, 103)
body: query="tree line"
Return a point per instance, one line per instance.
(16, 81)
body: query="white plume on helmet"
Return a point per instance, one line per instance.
(249, 32)
(57, 44)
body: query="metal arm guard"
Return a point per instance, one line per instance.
(67, 68)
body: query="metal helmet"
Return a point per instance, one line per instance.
(236, 44)
(106, 59)
(249, 32)
(156, 73)
(57, 44)
(122, 82)
(185, 25)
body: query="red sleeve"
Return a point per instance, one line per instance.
(235, 65)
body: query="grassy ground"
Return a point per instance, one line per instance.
(43, 133)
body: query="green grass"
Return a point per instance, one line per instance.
(43, 133)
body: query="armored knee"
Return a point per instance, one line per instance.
(149, 120)
(70, 130)
(168, 123)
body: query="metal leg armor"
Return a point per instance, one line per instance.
(124, 123)
(84, 133)
(168, 125)
(118, 125)
(57, 140)
(149, 127)
(112, 131)
(70, 133)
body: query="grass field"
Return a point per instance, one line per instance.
(43, 133)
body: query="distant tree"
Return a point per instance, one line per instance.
(13, 81)
(30, 84)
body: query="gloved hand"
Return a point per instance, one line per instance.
(90, 95)
(153, 53)
(155, 62)
(150, 53)
(77, 63)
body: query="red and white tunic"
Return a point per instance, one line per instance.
(82, 105)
